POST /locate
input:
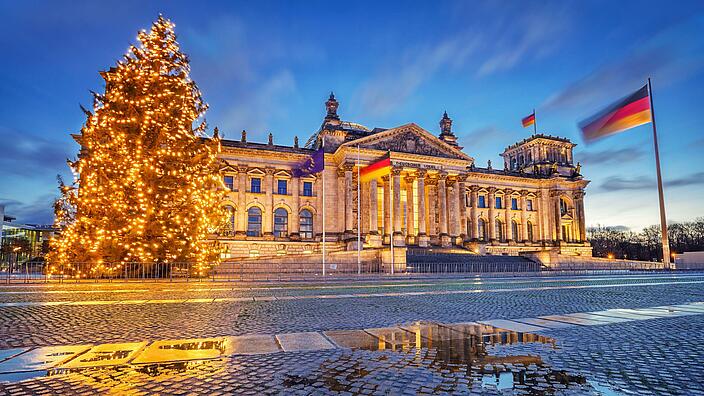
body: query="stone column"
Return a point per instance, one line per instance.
(507, 215)
(374, 239)
(410, 220)
(340, 199)
(432, 204)
(579, 205)
(442, 201)
(524, 216)
(544, 215)
(293, 222)
(318, 224)
(474, 197)
(268, 216)
(349, 210)
(387, 206)
(462, 201)
(423, 238)
(558, 218)
(491, 197)
(399, 240)
(453, 209)
(241, 230)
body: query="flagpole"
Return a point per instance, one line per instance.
(322, 177)
(661, 195)
(359, 217)
(535, 123)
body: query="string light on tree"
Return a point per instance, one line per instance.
(147, 187)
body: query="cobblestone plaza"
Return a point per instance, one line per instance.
(598, 334)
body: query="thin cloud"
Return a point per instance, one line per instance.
(483, 136)
(618, 183)
(39, 211)
(30, 155)
(664, 56)
(507, 40)
(250, 76)
(262, 106)
(610, 156)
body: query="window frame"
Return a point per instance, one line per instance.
(258, 185)
(280, 228)
(278, 186)
(257, 230)
(308, 193)
(229, 186)
(303, 228)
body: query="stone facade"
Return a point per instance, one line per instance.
(434, 195)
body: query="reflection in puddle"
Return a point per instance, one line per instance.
(444, 358)
(179, 350)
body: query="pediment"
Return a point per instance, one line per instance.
(225, 167)
(410, 139)
(256, 172)
(282, 173)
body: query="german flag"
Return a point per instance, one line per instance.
(528, 121)
(379, 168)
(625, 114)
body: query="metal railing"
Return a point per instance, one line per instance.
(40, 272)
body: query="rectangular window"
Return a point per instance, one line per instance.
(229, 182)
(529, 204)
(482, 201)
(281, 187)
(498, 203)
(307, 189)
(514, 203)
(255, 185)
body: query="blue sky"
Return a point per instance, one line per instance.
(269, 66)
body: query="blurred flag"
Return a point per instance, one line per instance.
(625, 114)
(314, 164)
(380, 168)
(528, 121)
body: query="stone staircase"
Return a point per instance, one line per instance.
(459, 260)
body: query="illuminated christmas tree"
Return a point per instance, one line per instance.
(147, 185)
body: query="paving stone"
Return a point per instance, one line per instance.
(511, 325)
(252, 344)
(292, 342)
(41, 358)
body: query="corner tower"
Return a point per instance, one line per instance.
(541, 155)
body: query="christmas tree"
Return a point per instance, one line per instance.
(147, 187)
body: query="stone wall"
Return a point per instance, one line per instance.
(554, 260)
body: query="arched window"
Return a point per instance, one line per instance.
(514, 230)
(306, 224)
(254, 222)
(280, 223)
(563, 207)
(482, 229)
(530, 231)
(500, 231)
(230, 227)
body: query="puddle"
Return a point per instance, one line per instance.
(180, 350)
(437, 358)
